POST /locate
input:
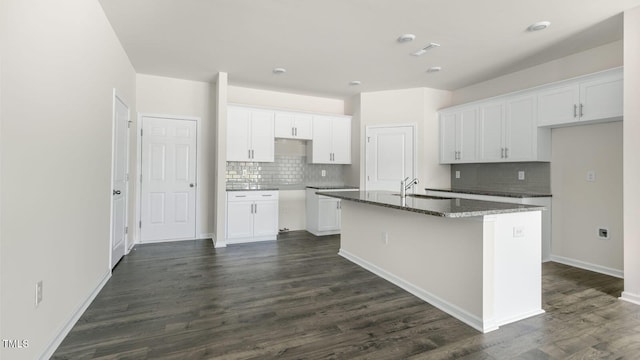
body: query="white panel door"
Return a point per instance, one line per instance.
(389, 157)
(120, 180)
(168, 179)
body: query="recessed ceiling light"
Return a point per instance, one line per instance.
(434, 69)
(406, 38)
(424, 49)
(279, 71)
(540, 25)
(355, 82)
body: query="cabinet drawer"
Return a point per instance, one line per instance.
(252, 195)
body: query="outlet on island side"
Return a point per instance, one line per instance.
(457, 174)
(323, 173)
(38, 293)
(521, 175)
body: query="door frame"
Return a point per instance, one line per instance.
(414, 128)
(138, 182)
(127, 244)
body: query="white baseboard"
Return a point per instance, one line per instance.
(205, 236)
(64, 331)
(251, 239)
(629, 297)
(588, 266)
(441, 304)
(167, 240)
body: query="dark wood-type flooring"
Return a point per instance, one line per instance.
(297, 299)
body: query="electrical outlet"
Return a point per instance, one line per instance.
(38, 293)
(521, 175)
(457, 174)
(323, 173)
(518, 231)
(591, 176)
(244, 172)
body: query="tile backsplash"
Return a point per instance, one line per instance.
(502, 176)
(287, 172)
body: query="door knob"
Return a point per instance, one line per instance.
(192, 185)
(116, 192)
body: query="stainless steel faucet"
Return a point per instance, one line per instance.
(404, 186)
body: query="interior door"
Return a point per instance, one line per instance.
(168, 179)
(120, 180)
(389, 156)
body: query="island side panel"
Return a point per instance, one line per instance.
(517, 267)
(437, 259)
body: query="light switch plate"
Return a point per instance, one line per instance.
(591, 176)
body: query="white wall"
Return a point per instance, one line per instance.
(169, 96)
(631, 150)
(579, 206)
(219, 95)
(407, 106)
(593, 60)
(60, 63)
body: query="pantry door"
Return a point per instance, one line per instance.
(390, 156)
(120, 180)
(168, 200)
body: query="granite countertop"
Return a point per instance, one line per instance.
(512, 194)
(430, 205)
(332, 187)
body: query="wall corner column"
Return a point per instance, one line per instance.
(220, 156)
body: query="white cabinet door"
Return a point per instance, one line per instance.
(558, 105)
(491, 138)
(321, 147)
(265, 218)
(341, 140)
(448, 147)
(238, 134)
(520, 130)
(262, 139)
(283, 125)
(239, 219)
(328, 214)
(467, 133)
(601, 98)
(303, 128)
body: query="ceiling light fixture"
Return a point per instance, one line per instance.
(434, 69)
(424, 49)
(355, 82)
(406, 38)
(540, 25)
(279, 71)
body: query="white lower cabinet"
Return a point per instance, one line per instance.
(251, 216)
(323, 213)
(540, 201)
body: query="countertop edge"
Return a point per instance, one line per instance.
(492, 193)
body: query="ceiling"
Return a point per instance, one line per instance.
(325, 44)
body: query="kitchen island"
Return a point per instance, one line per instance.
(479, 261)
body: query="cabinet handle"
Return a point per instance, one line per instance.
(255, 206)
(581, 107)
(506, 153)
(252, 154)
(240, 196)
(249, 155)
(501, 153)
(267, 195)
(293, 133)
(575, 110)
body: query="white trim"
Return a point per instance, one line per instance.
(588, 266)
(138, 202)
(251, 239)
(218, 243)
(206, 236)
(414, 130)
(629, 297)
(441, 304)
(168, 240)
(64, 331)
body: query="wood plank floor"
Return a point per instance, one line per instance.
(297, 299)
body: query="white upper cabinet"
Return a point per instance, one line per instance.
(492, 132)
(331, 142)
(596, 97)
(458, 136)
(523, 140)
(250, 134)
(291, 125)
